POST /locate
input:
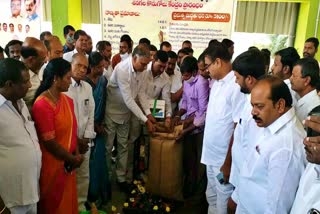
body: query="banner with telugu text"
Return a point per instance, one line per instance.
(19, 19)
(196, 20)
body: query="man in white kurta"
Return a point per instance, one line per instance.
(81, 94)
(304, 80)
(307, 198)
(125, 87)
(20, 155)
(270, 175)
(33, 55)
(156, 86)
(80, 38)
(248, 68)
(245, 136)
(284, 60)
(225, 104)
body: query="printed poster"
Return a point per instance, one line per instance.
(19, 19)
(196, 20)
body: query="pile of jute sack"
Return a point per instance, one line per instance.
(165, 175)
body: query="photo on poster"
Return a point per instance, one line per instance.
(19, 19)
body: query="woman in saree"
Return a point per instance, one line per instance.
(99, 185)
(56, 127)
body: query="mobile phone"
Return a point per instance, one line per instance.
(313, 112)
(220, 178)
(67, 168)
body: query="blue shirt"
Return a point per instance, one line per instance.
(67, 49)
(33, 17)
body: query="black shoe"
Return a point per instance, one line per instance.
(87, 205)
(123, 186)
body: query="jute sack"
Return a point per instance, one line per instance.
(165, 165)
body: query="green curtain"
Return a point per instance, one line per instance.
(91, 11)
(46, 10)
(267, 17)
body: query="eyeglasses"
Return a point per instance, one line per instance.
(313, 211)
(207, 66)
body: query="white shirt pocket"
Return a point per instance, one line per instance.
(86, 104)
(252, 161)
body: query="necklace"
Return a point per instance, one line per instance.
(53, 97)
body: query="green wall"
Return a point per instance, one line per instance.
(307, 24)
(65, 12)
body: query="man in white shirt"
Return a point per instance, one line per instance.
(157, 86)
(304, 79)
(20, 155)
(270, 175)
(175, 78)
(55, 50)
(157, 83)
(126, 85)
(307, 197)
(81, 94)
(248, 68)
(33, 55)
(225, 103)
(80, 38)
(282, 67)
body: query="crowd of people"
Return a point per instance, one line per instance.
(249, 136)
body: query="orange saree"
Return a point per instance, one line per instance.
(58, 193)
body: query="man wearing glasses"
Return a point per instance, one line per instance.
(225, 104)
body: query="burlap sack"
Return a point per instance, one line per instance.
(165, 165)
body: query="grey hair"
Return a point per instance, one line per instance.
(141, 50)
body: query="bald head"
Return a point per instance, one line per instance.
(33, 53)
(54, 47)
(78, 56)
(35, 43)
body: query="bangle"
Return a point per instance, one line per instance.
(177, 116)
(3, 209)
